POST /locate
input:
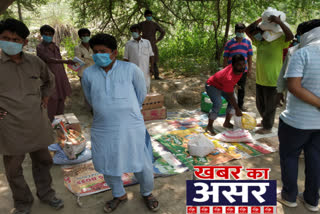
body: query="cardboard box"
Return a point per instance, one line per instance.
(153, 101)
(70, 120)
(155, 114)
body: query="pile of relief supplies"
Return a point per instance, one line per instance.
(272, 31)
(71, 147)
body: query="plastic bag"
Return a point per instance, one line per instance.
(233, 136)
(200, 146)
(61, 158)
(266, 25)
(246, 121)
(270, 36)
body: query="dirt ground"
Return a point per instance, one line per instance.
(179, 93)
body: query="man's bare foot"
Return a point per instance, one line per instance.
(210, 129)
(228, 125)
(263, 131)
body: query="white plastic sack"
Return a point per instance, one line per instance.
(200, 146)
(234, 136)
(265, 25)
(270, 36)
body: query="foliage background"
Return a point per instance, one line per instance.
(196, 29)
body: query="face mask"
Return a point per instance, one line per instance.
(47, 39)
(135, 35)
(85, 39)
(11, 48)
(102, 59)
(149, 18)
(298, 38)
(239, 35)
(258, 36)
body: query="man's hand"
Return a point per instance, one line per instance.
(249, 72)
(71, 62)
(238, 112)
(3, 114)
(280, 99)
(275, 19)
(44, 102)
(237, 87)
(151, 70)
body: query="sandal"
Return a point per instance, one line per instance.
(114, 203)
(152, 203)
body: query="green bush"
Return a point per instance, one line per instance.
(188, 51)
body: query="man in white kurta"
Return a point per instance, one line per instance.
(139, 51)
(116, 90)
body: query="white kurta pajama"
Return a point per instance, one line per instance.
(118, 132)
(139, 53)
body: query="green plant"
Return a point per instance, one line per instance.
(69, 44)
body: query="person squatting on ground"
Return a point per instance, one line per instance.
(116, 90)
(24, 124)
(222, 83)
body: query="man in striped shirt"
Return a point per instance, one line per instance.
(239, 45)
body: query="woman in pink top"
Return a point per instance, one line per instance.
(222, 83)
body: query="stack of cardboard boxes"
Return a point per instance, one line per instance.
(153, 107)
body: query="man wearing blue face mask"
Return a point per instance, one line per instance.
(116, 90)
(49, 52)
(268, 66)
(83, 50)
(239, 45)
(25, 86)
(149, 30)
(139, 52)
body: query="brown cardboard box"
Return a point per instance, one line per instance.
(70, 120)
(155, 114)
(153, 101)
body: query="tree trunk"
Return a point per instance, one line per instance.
(220, 47)
(19, 10)
(4, 4)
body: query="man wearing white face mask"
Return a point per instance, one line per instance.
(268, 66)
(139, 51)
(25, 86)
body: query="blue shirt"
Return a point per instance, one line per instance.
(118, 133)
(304, 63)
(234, 47)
